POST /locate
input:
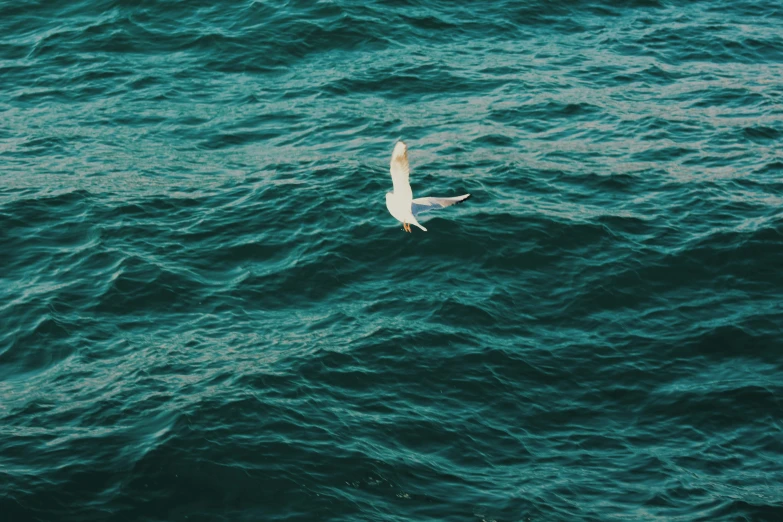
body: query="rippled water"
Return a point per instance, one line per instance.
(208, 313)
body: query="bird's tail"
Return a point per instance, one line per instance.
(414, 222)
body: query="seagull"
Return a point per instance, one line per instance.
(400, 201)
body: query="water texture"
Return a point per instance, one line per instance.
(207, 313)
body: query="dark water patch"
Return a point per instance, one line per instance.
(410, 83)
(628, 226)
(659, 128)
(46, 145)
(734, 342)
(729, 97)
(671, 151)
(495, 140)
(568, 110)
(762, 134)
(140, 286)
(38, 349)
(754, 50)
(234, 139)
(774, 166)
(430, 22)
(539, 118)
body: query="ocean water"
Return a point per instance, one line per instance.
(207, 313)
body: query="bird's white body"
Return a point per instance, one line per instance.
(400, 208)
(400, 201)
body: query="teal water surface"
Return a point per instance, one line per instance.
(207, 312)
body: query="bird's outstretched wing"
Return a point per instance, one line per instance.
(424, 204)
(400, 171)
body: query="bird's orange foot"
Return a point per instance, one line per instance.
(406, 227)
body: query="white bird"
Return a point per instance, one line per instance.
(400, 201)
